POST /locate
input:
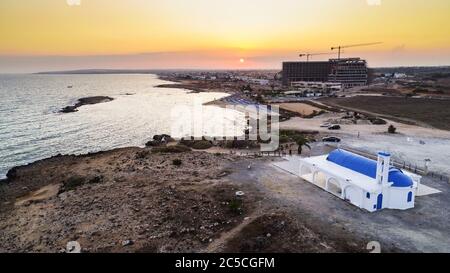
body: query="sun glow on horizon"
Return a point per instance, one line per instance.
(210, 33)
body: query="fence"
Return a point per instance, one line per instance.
(259, 153)
(401, 165)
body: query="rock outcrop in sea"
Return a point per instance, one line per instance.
(85, 101)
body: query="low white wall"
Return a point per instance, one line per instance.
(393, 197)
(398, 198)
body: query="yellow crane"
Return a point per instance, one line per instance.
(312, 54)
(356, 45)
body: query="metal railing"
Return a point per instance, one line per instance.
(414, 168)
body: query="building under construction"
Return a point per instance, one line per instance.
(349, 72)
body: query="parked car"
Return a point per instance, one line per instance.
(331, 139)
(334, 127)
(326, 124)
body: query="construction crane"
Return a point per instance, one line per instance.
(312, 54)
(347, 46)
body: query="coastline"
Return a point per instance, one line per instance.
(192, 88)
(195, 87)
(85, 101)
(94, 99)
(135, 200)
(144, 200)
(222, 103)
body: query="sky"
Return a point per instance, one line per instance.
(45, 35)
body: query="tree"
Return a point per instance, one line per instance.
(392, 129)
(259, 98)
(302, 141)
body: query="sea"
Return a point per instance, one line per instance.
(32, 128)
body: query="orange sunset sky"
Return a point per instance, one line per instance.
(41, 35)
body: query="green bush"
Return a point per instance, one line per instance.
(284, 139)
(176, 162)
(96, 179)
(201, 145)
(392, 129)
(171, 149)
(241, 144)
(235, 206)
(197, 144)
(142, 154)
(73, 182)
(377, 121)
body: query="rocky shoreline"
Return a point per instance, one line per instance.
(85, 101)
(156, 199)
(105, 199)
(192, 88)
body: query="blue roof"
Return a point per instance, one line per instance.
(367, 167)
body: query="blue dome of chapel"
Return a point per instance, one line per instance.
(367, 167)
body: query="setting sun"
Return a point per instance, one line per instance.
(205, 127)
(39, 35)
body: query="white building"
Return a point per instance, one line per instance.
(294, 93)
(324, 86)
(302, 93)
(253, 80)
(259, 81)
(400, 75)
(366, 183)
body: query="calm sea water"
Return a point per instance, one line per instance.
(31, 127)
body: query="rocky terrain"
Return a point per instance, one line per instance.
(142, 200)
(85, 101)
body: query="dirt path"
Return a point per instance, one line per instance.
(219, 244)
(300, 108)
